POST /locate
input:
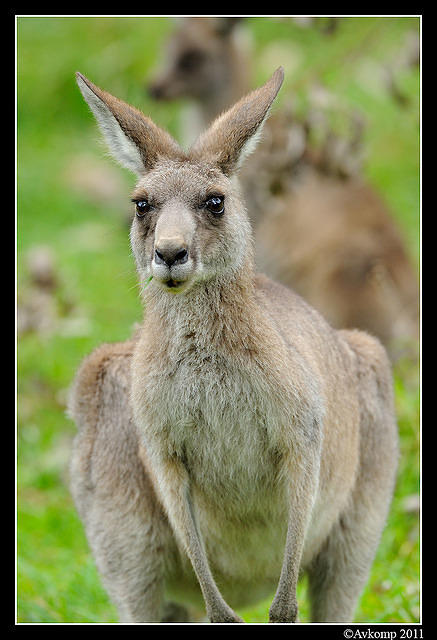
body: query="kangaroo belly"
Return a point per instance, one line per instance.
(241, 507)
(244, 540)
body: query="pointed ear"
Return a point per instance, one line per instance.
(133, 139)
(224, 26)
(233, 135)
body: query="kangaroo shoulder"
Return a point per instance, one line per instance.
(107, 366)
(372, 362)
(368, 349)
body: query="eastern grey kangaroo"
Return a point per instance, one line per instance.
(236, 440)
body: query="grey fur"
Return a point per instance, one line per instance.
(237, 439)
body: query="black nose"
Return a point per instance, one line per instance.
(171, 256)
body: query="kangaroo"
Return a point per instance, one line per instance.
(236, 440)
(319, 227)
(206, 59)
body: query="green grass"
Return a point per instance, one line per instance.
(97, 297)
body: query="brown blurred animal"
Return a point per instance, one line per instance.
(237, 439)
(206, 60)
(319, 227)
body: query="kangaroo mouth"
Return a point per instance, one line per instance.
(173, 284)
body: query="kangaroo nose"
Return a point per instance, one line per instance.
(170, 254)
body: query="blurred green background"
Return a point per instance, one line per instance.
(77, 282)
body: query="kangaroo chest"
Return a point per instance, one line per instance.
(222, 417)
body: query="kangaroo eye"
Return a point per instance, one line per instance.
(141, 208)
(216, 204)
(190, 60)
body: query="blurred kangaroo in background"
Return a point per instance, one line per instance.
(237, 440)
(319, 227)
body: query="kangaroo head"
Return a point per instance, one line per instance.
(190, 223)
(198, 60)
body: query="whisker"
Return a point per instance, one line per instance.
(146, 282)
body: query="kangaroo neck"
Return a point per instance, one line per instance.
(235, 86)
(215, 314)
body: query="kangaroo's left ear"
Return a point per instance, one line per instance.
(233, 135)
(134, 140)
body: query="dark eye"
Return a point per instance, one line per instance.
(215, 204)
(141, 208)
(189, 60)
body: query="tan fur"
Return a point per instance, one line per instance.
(319, 227)
(237, 440)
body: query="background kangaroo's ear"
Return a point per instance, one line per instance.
(233, 135)
(133, 139)
(224, 26)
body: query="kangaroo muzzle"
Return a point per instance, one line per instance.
(172, 264)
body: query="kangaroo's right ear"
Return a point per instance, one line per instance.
(134, 140)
